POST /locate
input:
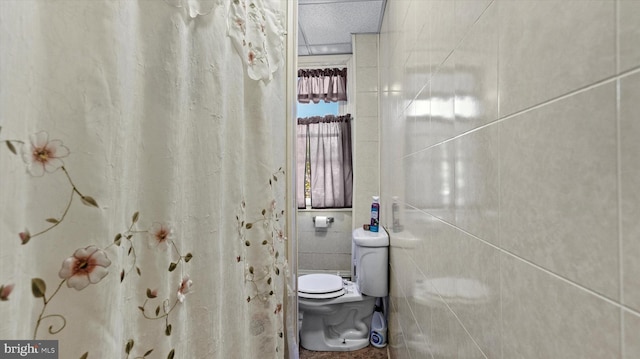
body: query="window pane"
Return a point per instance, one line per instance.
(317, 109)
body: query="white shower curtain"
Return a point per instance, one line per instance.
(141, 181)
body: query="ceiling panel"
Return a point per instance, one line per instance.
(325, 26)
(330, 49)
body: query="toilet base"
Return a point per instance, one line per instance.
(336, 327)
(336, 345)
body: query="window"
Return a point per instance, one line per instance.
(324, 160)
(311, 109)
(324, 163)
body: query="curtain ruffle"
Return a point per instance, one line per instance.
(255, 27)
(257, 30)
(328, 85)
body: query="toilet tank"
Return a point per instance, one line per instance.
(370, 262)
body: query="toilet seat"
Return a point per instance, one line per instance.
(320, 286)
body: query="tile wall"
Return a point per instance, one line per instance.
(509, 135)
(329, 250)
(326, 250)
(365, 125)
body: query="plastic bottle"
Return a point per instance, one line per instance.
(375, 214)
(395, 214)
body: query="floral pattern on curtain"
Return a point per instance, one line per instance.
(140, 168)
(328, 140)
(328, 85)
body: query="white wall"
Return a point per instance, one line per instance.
(509, 133)
(330, 250)
(324, 249)
(366, 151)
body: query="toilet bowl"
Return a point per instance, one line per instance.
(335, 314)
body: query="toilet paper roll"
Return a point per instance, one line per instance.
(321, 222)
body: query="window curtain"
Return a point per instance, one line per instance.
(328, 85)
(330, 156)
(141, 147)
(302, 146)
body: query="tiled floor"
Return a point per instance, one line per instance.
(369, 352)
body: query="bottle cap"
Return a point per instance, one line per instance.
(376, 198)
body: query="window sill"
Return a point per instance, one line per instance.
(325, 210)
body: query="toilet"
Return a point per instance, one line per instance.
(336, 313)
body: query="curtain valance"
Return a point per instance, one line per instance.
(329, 85)
(324, 119)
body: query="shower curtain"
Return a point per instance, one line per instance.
(141, 177)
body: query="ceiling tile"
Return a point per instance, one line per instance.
(303, 51)
(327, 25)
(330, 49)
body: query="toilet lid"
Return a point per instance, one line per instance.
(320, 286)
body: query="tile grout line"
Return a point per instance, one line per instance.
(500, 264)
(619, 182)
(449, 308)
(460, 322)
(545, 270)
(535, 107)
(619, 209)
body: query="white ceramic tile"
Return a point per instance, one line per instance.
(558, 188)
(413, 169)
(442, 100)
(549, 48)
(397, 346)
(418, 133)
(442, 29)
(442, 258)
(409, 47)
(630, 188)
(464, 273)
(448, 338)
(467, 12)
(476, 183)
(415, 338)
(476, 301)
(629, 35)
(366, 172)
(366, 47)
(366, 104)
(544, 317)
(422, 63)
(367, 129)
(631, 335)
(476, 73)
(367, 78)
(435, 182)
(330, 263)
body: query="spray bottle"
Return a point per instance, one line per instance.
(375, 214)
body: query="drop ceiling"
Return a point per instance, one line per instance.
(325, 26)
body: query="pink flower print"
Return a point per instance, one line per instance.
(240, 23)
(185, 286)
(25, 236)
(160, 235)
(43, 155)
(86, 266)
(252, 57)
(5, 291)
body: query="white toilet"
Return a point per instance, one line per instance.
(336, 313)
